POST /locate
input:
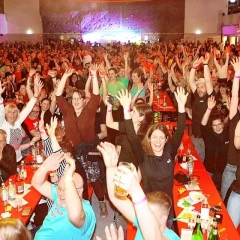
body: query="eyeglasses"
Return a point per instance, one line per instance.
(217, 125)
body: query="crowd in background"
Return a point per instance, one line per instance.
(75, 95)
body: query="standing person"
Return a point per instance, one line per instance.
(201, 89)
(79, 118)
(152, 208)
(216, 139)
(234, 199)
(71, 217)
(229, 173)
(156, 154)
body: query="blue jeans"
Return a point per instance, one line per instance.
(233, 207)
(200, 147)
(229, 175)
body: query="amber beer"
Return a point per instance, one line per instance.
(120, 192)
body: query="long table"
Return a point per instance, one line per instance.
(207, 187)
(32, 197)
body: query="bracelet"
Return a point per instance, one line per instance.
(68, 178)
(127, 110)
(30, 144)
(237, 76)
(94, 75)
(1, 103)
(140, 201)
(109, 110)
(42, 132)
(205, 64)
(194, 67)
(210, 109)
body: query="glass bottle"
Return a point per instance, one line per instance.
(23, 171)
(205, 210)
(4, 194)
(11, 191)
(214, 224)
(215, 235)
(190, 165)
(197, 231)
(19, 182)
(1, 179)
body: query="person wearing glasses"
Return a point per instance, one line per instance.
(216, 139)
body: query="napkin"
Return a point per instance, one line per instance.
(195, 187)
(186, 214)
(14, 202)
(180, 204)
(6, 215)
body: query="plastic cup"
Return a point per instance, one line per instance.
(120, 192)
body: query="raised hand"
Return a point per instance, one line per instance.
(150, 86)
(52, 73)
(124, 97)
(206, 59)
(32, 72)
(69, 72)
(236, 64)
(93, 69)
(197, 62)
(106, 101)
(109, 154)
(125, 56)
(38, 85)
(51, 129)
(52, 163)
(111, 233)
(71, 166)
(180, 96)
(41, 123)
(211, 102)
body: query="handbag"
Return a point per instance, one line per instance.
(182, 178)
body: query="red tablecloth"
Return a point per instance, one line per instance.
(158, 104)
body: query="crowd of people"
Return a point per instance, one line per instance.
(91, 106)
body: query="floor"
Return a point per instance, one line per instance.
(101, 222)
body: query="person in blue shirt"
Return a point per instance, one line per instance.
(71, 217)
(149, 213)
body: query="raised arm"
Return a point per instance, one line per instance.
(140, 88)
(110, 158)
(2, 111)
(150, 87)
(108, 65)
(87, 87)
(63, 80)
(37, 89)
(192, 74)
(76, 214)
(125, 56)
(93, 70)
(170, 83)
(109, 117)
(211, 105)
(235, 88)
(28, 85)
(39, 181)
(237, 136)
(207, 75)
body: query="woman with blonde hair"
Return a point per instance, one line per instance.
(13, 229)
(11, 119)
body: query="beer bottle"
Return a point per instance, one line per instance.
(197, 231)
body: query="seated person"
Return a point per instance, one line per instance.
(13, 228)
(71, 217)
(152, 209)
(8, 162)
(32, 122)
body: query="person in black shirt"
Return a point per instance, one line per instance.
(201, 89)
(216, 139)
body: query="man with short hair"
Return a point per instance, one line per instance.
(71, 217)
(32, 122)
(201, 89)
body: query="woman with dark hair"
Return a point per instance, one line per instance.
(142, 118)
(155, 155)
(76, 81)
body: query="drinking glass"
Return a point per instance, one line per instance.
(120, 192)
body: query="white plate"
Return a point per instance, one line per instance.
(196, 196)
